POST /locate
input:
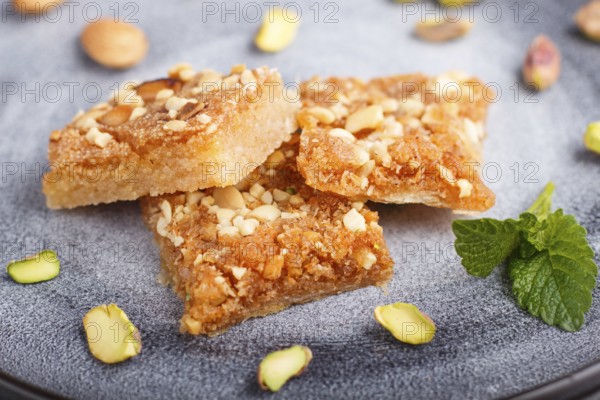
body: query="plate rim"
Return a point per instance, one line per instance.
(576, 385)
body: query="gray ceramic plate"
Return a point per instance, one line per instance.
(486, 347)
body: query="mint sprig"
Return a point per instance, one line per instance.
(551, 263)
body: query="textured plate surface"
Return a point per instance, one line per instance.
(485, 347)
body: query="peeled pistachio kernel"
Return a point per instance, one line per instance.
(38, 268)
(592, 137)
(280, 366)
(454, 3)
(278, 30)
(112, 338)
(542, 64)
(406, 323)
(433, 30)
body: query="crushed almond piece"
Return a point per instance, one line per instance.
(175, 125)
(265, 212)
(342, 133)
(466, 188)
(367, 118)
(354, 221)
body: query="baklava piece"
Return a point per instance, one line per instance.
(240, 252)
(400, 139)
(182, 133)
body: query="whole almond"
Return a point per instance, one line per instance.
(35, 6)
(117, 116)
(114, 44)
(542, 64)
(588, 20)
(148, 90)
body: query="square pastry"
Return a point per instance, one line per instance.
(182, 133)
(400, 139)
(258, 247)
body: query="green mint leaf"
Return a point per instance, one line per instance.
(555, 280)
(485, 243)
(542, 207)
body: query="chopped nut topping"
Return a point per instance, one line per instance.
(247, 226)
(367, 118)
(358, 205)
(466, 188)
(287, 215)
(389, 105)
(182, 71)
(280, 195)
(367, 259)
(100, 139)
(471, 130)
(161, 227)
(267, 197)
(342, 133)
(322, 114)
(164, 94)
(229, 231)
(175, 103)
(247, 77)
(231, 81)
(165, 207)
(225, 215)
(413, 107)
(275, 158)
(266, 212)
(354, 221)
(177, 240)
(87, 120)
(199, 259)
(187, 75)
(296, 200)
(379, 151)
(238, 272)
(446, 174)
(175, 125)
(193, 198)
(273, 267)
(257, 190)
(55, 136)
(367, 168)
(361, 156)
(238, 68)
(138, 112)
(204, 118)
(207, 201)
